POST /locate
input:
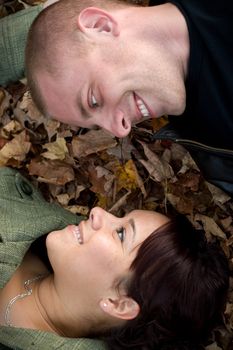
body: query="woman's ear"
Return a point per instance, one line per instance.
(94, 19)
(124, 308)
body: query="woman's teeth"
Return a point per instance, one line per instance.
(78, 234)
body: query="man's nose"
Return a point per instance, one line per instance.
(117, 123)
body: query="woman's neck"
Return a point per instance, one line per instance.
(17, 298)
(45, 307)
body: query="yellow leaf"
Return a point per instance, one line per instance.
(56, 150)
(126, 176)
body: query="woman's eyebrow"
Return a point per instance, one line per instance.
(132, 224)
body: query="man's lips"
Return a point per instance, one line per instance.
(141, 107)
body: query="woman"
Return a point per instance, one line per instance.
(140, 281)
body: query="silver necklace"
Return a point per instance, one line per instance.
(20, 296)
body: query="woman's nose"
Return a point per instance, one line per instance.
(101, 218)
(97, 217)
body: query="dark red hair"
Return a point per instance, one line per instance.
(180, 282)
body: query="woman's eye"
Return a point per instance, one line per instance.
(94, 103)
(121, 233)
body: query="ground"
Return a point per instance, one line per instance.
(80, 169)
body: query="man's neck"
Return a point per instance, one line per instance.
(164, 25)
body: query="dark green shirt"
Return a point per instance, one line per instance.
(25, 216)
(13, 35)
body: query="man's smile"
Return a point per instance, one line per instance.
(143, 110)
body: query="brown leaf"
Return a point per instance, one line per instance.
(4, 101)
(119, 203)
(78, 209)
(191, 181)
(63, 199)
(219, 196)
(3, 141)
(102, 180)
(158, 123)
(16, 149)
(213, 346)
(51, 126)
(122, 150)
(92, 142)
(30, 108)
(158, 169)
(210, 226)
(51, 172)
(187, 164)
(183, 205)
(12, 127)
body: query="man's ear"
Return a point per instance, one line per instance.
(98, 20)
(124, 308)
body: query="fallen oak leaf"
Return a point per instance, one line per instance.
(56, 149)
(12, 127)
(16, 149)
(30, 108)
(158, 123)
(158, 170)
(51, 126)
(132, 171)
(3, 141)
(5, 98)
(51, 172)
(33, 123)
(78, 209)
(190, 181)
(126, 175)
(119, 203)
(123, 150)
(92, 142)
(183, 205)
(63, 199)
(101, 180)
(210, 226)
(219, 196)
(213, 346)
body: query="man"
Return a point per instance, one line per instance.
(99, 62)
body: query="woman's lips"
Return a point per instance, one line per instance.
(78, 234)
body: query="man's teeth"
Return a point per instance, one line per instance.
(144, 111)
(78, 235)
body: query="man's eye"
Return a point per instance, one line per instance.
(94, 103)
(121, 233)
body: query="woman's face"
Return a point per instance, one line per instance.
(89, 259)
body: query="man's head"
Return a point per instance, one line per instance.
(102, 65)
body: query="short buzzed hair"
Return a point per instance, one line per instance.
(53, 36)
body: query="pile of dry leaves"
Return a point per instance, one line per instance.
(80, 169)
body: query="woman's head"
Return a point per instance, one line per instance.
(92, 262)
(148, 277)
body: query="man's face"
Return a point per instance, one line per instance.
(114, 86)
